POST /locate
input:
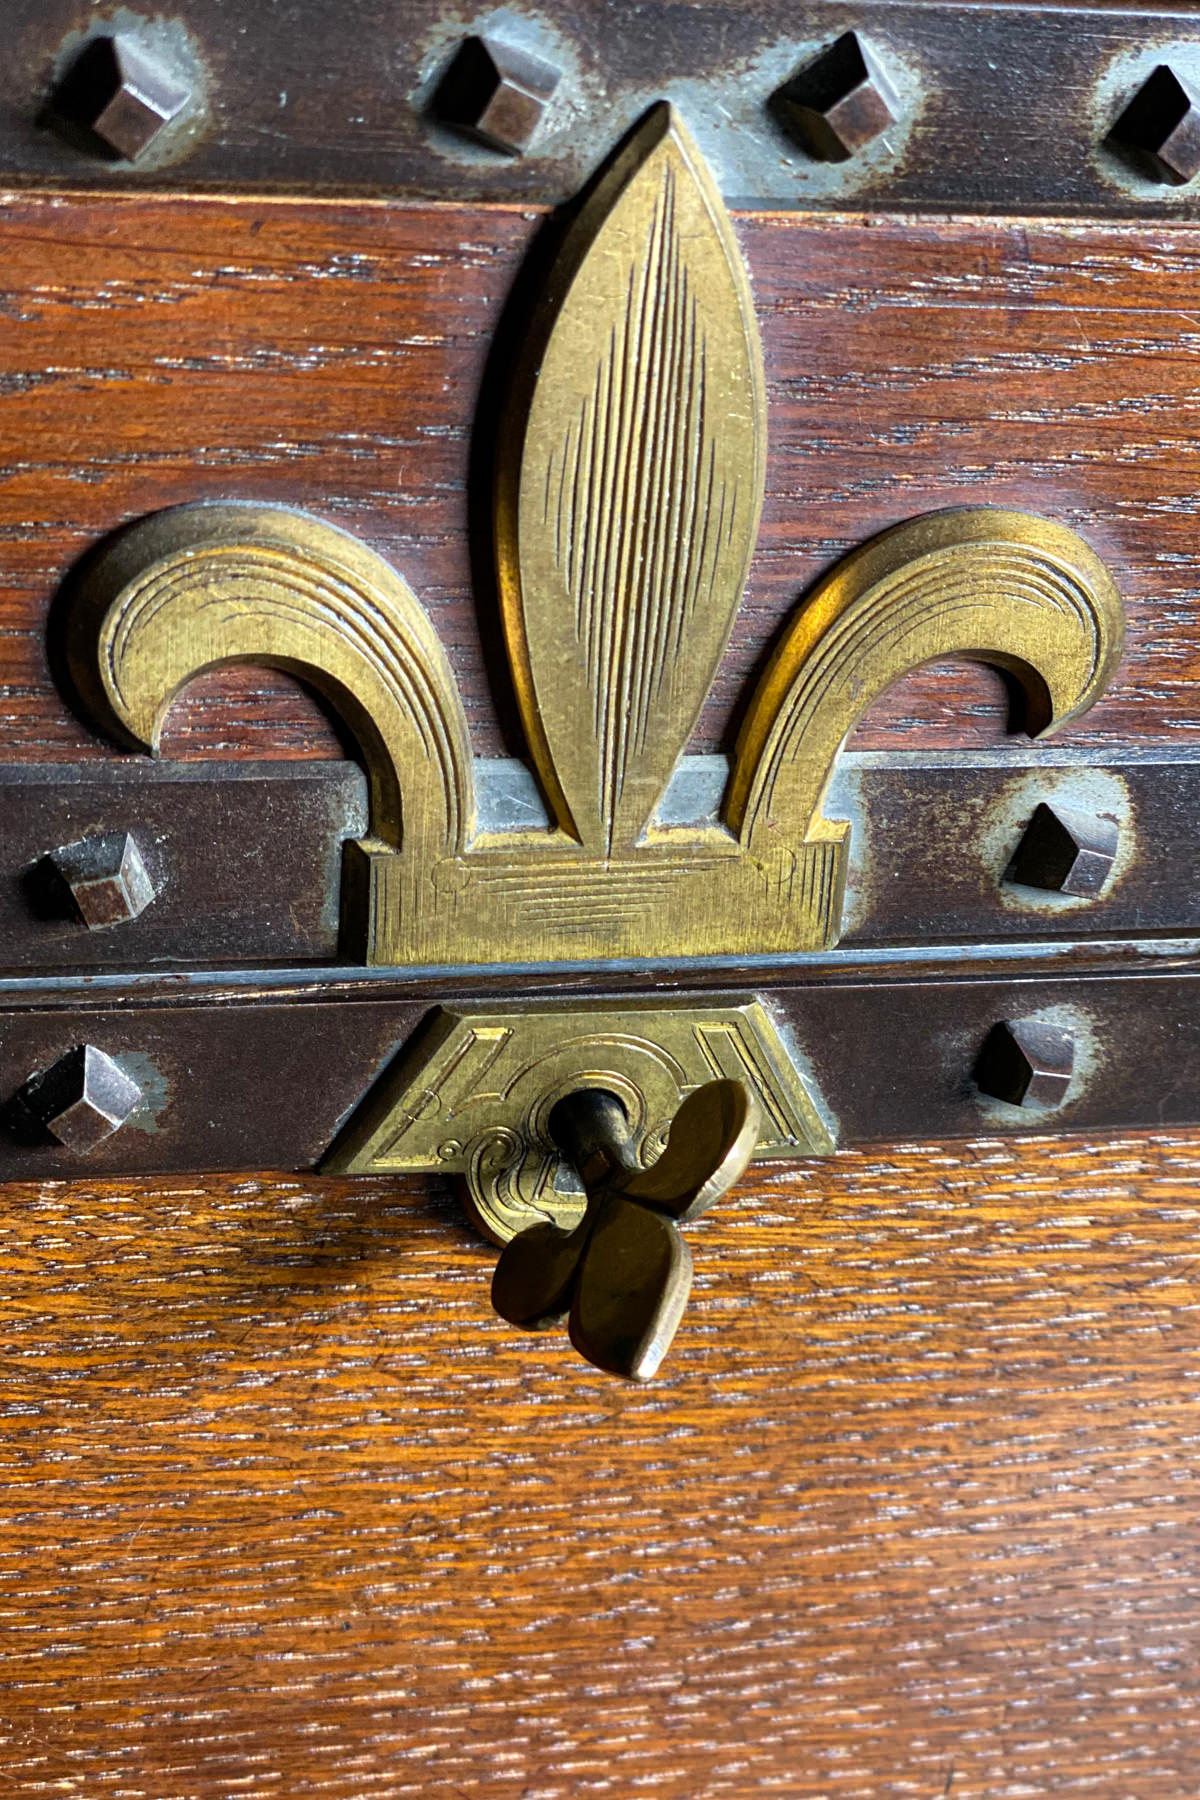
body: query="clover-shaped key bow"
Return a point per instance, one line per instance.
(624, 1274)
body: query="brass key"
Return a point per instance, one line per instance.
(623, 1275)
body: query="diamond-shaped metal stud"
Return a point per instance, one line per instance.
(839, 103)
(496, 93)
(1065, 852)
(1026, 1063)
(80, 1100)
(117, 89)
(1161, 126)
(107, 878)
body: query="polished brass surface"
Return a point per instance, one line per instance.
(627, 506)
(1022, 593)
(623, 1274)
(473, 1093)
(187, 589)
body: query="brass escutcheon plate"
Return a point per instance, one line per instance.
(472, 1092)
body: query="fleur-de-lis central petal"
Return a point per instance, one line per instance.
(629, 515)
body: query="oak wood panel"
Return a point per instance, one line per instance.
(330, 355)
(283, 1510)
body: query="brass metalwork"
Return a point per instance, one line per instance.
(188, 589)
(473, 1094)
(1021, 593)
(624, 1273)
(626, 513)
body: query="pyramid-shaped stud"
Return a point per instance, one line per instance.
(1161, 127)
(839, 103)
(1026, 1062)
(122, 93)
(1065, 851)
(107, 878)
(497, 93)
(80, 1100)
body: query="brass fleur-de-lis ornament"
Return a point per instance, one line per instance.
(630, 481)
(629, 487)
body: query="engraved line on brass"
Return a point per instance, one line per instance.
(198, 586)
(488, 1120)
(626, 520)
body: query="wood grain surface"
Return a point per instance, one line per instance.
(285, 1511)
(331, 356)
